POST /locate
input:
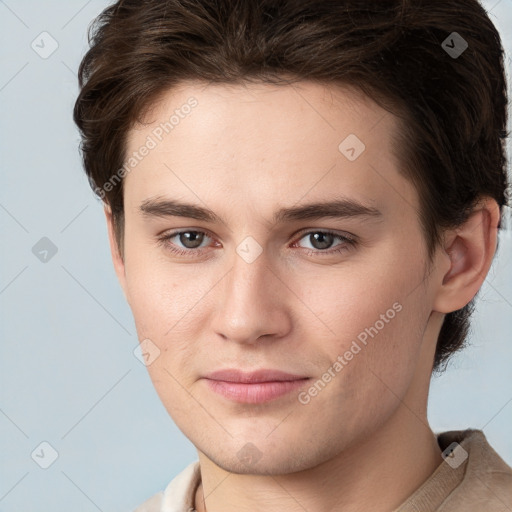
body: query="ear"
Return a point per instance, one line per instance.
(117, 259)
(470, 250)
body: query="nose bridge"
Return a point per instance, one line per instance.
(250, 268)
(245, 282)
(247, 309)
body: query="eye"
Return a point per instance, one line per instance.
(191, 240)
(321, 240)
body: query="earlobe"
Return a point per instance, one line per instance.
(470, 249)
(117, 259)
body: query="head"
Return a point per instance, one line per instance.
(251, 109)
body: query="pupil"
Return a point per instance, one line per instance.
(322, 236)
(191, 239)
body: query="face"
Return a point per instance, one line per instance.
(335, 295)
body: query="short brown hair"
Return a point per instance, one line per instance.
(452, 107)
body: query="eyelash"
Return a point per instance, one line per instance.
(348, 242)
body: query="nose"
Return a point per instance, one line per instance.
(253, 302)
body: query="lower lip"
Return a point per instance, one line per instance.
(254, 393)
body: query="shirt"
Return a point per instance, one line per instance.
(471, 478)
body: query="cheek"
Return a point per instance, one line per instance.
(369, 366)
(162, 294)
(376, 312)
(392, 339)
(162, 305)
(168, 303)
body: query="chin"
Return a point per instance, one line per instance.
(269, 460)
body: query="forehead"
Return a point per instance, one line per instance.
(277, 141)
(306, 109)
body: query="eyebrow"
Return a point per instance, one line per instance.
(340, 208)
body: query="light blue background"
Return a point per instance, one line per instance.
(68, 374)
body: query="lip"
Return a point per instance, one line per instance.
(264, 375)
(253, 387)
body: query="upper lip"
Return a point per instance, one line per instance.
(264, 375)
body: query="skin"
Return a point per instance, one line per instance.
(363, 442)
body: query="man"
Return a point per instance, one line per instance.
(303, 199)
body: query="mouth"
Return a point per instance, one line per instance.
(253, 387)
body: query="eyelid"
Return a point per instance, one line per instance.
(342, 234)
(173, 232)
